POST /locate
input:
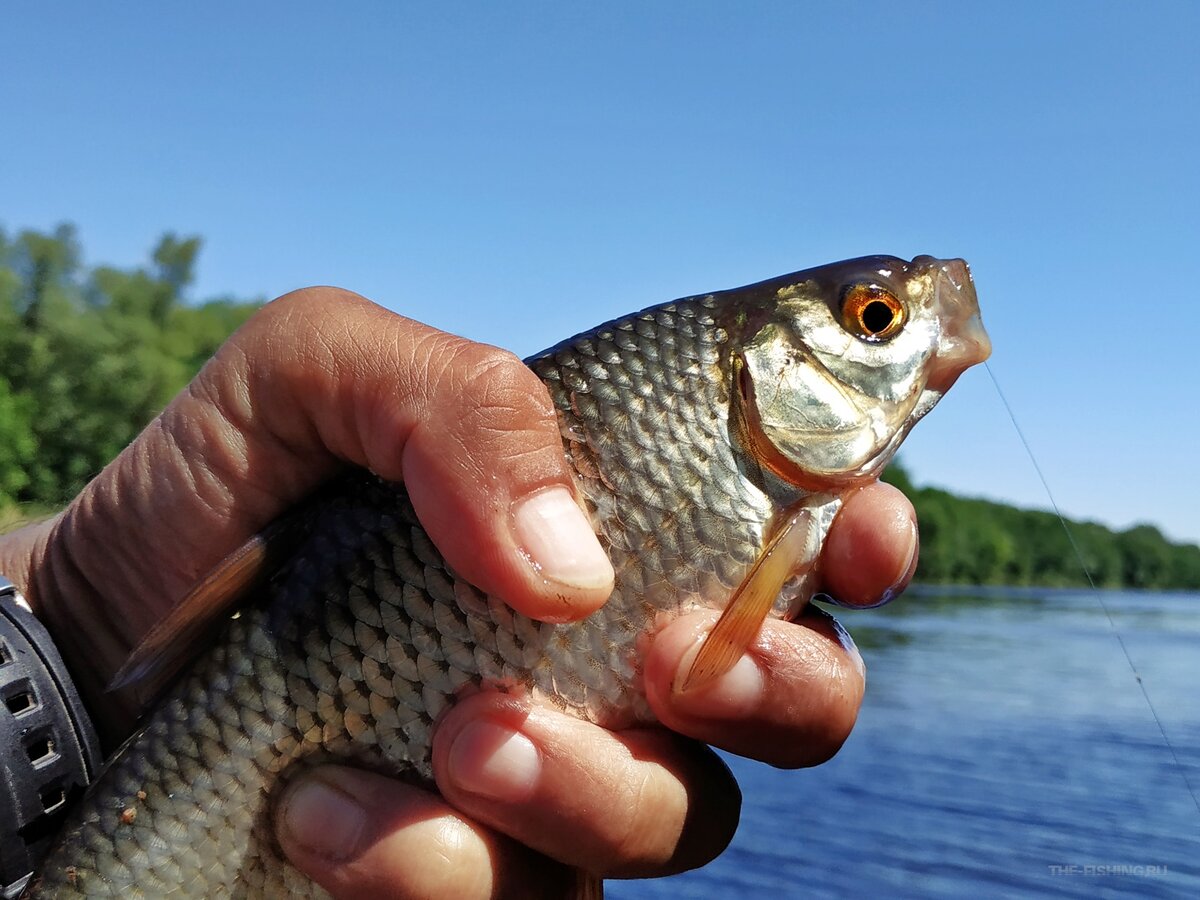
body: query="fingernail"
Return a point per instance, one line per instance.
(494, 761)
(844, 638)
(733, 695)
(559, 540)
(324, 819)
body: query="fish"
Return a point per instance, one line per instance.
(712, 440)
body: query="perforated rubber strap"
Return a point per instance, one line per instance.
(48, 747)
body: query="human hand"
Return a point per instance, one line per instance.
(321, 379)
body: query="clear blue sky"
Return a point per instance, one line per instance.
(519, 173)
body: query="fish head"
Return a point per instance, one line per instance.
(836, 364)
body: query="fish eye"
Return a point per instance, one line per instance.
(872, 312)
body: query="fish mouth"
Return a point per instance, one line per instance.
(963, 342)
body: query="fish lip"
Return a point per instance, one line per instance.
(963, 342)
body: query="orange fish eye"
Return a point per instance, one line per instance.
(872, 312)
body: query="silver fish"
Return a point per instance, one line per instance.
(711, 438)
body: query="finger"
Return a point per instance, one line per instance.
(358, 834)
(791, 700)
(871, 552)
(635, 803)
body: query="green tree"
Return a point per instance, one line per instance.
(979, 542)
(88, 357)
(1145, 557)
(18, 446)
(46, 266)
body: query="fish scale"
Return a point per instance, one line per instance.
(366, 635)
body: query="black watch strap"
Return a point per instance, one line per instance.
(48, 748)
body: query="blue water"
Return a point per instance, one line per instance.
(1004, 749)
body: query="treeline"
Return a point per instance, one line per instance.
(968, 541)
(88, 355)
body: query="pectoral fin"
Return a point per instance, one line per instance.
(790, 552)
(174, 641)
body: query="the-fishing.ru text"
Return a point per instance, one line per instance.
(1136, 870)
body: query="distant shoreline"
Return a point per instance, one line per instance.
(982, 542)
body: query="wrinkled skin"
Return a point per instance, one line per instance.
(321, 378)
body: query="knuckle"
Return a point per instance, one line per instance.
(299, 328)
(299, 312)
(499, 409)
(493, 378)
(309, 301)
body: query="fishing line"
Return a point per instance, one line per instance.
(1095, 591)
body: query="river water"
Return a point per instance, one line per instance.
(1004, 749)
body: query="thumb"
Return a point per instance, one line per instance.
(467, 427)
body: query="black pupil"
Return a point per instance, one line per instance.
(877, 316)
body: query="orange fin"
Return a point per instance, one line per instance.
(173, 642)
(787, 553)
